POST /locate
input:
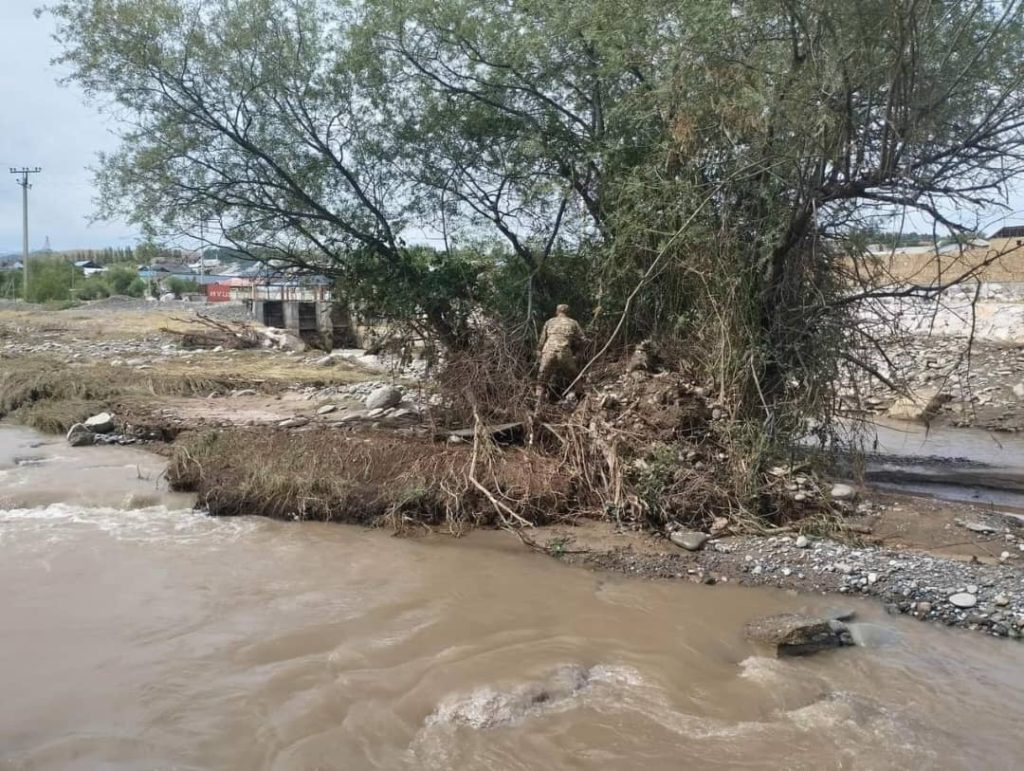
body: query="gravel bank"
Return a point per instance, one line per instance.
(987, 598)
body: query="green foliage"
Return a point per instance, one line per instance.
(181, 286)
(49, 279)
(11, 284)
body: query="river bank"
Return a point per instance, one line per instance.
(308, 412)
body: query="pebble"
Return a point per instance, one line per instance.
(963, 600)
(802, 542)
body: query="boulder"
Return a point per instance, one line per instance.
(841, 492)
(919, 406)
(80, 436)
(100, 424)
(384, 398)
(792, 634)
(689, 540)
(293, 343)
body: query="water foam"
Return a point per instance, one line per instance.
(60, 521)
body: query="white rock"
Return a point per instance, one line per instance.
(841, 492)
(802, 542)
(1001, 600)
(100, 424)
(963, 600)
(327, 409)
(689, 540)
(295, 422)
(1018, 390)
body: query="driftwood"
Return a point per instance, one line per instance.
(206, 332)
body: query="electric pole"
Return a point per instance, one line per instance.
(23, 181)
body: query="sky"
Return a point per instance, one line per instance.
(47, 125)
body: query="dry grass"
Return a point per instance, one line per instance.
(51, 396)
(376, 479)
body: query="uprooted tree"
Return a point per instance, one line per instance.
(697, 171)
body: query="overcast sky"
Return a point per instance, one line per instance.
(44, 124)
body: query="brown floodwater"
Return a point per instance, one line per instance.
(138, 634)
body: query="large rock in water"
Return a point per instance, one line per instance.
(100, 424)
(384, 398)
(919, 406)
(80, 436)
(792, 634)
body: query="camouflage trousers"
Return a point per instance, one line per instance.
(558, 369)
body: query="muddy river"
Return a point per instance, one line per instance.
(140, 635)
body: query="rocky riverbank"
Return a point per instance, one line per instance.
(982, 596)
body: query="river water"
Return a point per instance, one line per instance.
(138, 634)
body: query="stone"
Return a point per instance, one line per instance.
(919, 405)
(1001, 600)
(802, 542)
(384, 398)
(100, 424)
(80, 436)
(244, 392)
(295, 422)
(325, 361)
(689, 540)
(793, 634)
(841, 492)
(840, 614)
(327, 409)
(1018, 390)
(923, 608)
(963, 600)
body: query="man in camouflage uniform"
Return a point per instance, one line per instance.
(560, 341)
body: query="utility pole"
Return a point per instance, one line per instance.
(23, 181)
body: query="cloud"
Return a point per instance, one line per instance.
(48, 125)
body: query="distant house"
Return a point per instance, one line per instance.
(10, 262)
(89, 268)
(163, 270)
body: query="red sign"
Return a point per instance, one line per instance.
(218, 293)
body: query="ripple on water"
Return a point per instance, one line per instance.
(61, 521)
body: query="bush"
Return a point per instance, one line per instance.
(49, 279)
(181, 286)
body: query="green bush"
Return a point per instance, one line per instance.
(92, 288)
(180, 286)
(49, 279)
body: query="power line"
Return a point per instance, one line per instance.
(25, 185)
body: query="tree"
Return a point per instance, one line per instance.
(695, 173)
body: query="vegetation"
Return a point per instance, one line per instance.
(181, 286)
(390, 481)
(702, 172)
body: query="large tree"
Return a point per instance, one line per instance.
(693, 167)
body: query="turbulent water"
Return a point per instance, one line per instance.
(140, 635)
